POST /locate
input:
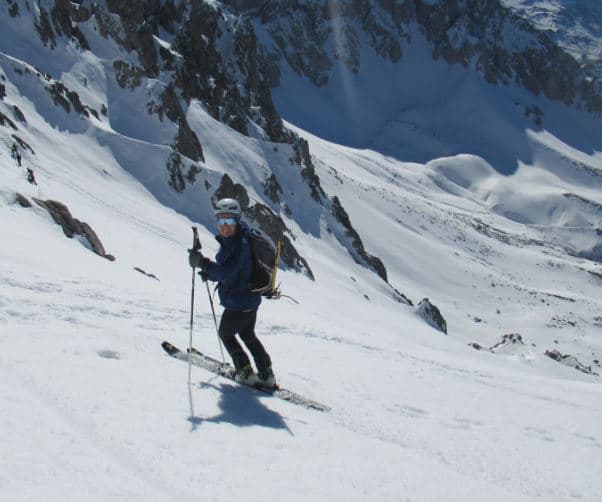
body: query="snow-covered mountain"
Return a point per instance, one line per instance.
(401, 150)
(574, 24)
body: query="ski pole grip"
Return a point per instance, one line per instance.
(196, 242)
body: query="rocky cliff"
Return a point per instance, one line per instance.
(228, 56)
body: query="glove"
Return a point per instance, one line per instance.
(204, 275)
(194, 258)
(197, 260)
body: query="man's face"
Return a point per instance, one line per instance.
(226, 224)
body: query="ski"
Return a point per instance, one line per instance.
(224, 370)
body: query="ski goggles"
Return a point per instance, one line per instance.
(226, 221)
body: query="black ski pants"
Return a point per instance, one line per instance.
(239, 322)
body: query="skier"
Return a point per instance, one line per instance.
(232, 270)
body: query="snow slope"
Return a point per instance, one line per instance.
(92, 408)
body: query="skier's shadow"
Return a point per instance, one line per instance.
(239, 406)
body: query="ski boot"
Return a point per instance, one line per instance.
(246, 375)
(266, 378)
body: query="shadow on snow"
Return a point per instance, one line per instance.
(239, 406)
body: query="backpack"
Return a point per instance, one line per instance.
(265, 257)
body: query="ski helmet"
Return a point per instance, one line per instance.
(228, 206)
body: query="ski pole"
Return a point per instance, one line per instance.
(215, 322)
(196, 245)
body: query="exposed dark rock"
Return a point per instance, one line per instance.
(303, 33)
(536, 113)
(77, 35)
(82, 12)
(15, 154)
(401, 298)
(270, 69)
(76, 103)
(227, 188)
(19, 114)
(156, 13)
(107, 25)
(152, 276)
(461, 32)
(302, 158)
(6, 122)
(362, 256)
(141, 40)
(61, 17)
(430, 313)
(300, 38)
(61, 14)
(559, 321)
(174, 168)
(140, 20)
(23, 144)
(72, 226)
(66, 98)
(187, 143)
(30, 176)
(127, 75)
(2, 91)
(22, 200)
(169, 60)
(503, 47)
(56, 91)
(201, 73)
(45, 29)
(193, 170)
(273, 226)
(13, 9)
(400, 12)
(169, 14)
(477, 346)
(245, 4)
(273, 189)
(258, 93)
(510, 342)
(179, 173)
(570, 361)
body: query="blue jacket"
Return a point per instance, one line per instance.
(232, 270)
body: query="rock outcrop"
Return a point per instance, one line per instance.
(570, 361)
(72, 226)
(431, 314)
